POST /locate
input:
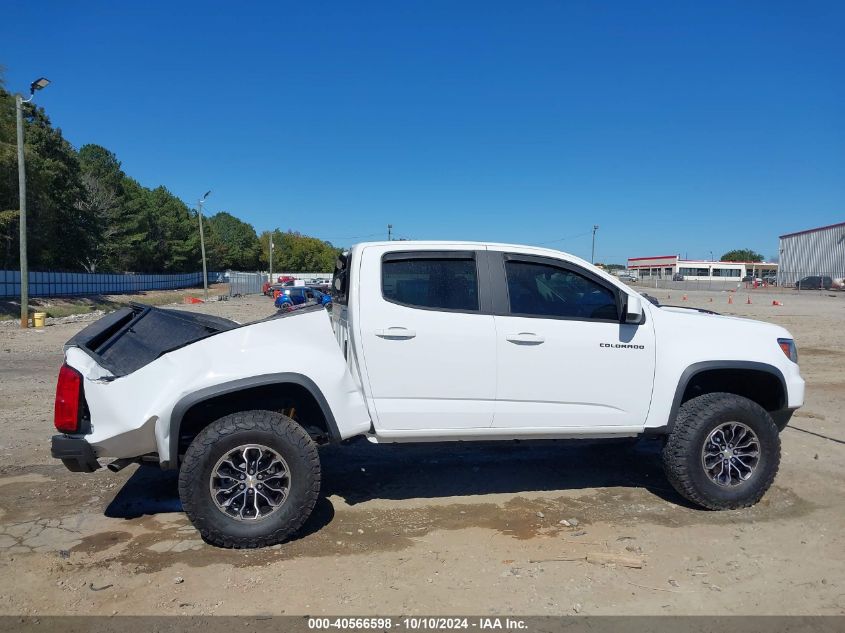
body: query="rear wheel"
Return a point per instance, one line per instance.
(723, 452)
(250, 479)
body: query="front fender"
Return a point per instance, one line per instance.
(690, 372)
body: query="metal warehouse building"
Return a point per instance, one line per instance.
(818, 251)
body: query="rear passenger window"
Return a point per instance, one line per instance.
(438, 283)
(548, 291)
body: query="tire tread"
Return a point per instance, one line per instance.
(267, 421)
(682, 441)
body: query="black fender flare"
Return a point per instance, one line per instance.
(709, 365)
(233, 386)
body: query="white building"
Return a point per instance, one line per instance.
(818, 252)
(668, 266)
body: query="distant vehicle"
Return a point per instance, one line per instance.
(270, 289)
(772, 280)
(628, 277)
(285, 278)
(752, 279)
(299, 295)
(814, 282)
(677, 277)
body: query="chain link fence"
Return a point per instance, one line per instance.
(245, 283)
(785, 282)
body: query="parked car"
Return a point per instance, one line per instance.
(299, 295)
(677, 277)
(436, 341)
(628, 277)
(814, 282)
(751, 279)
(322, 287)
(771, 280)
(271, 289)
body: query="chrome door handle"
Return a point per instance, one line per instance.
(525, 338)
(396, 333)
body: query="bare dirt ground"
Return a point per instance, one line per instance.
(84, 307)
(436, 529)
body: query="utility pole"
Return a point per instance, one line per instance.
(593, 254)
(271, 257)
(38, 84)
(202, 245)
(389, 232)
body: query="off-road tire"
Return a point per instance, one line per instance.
(682, 463)
(270, 429)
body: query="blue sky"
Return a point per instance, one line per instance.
(678, 127)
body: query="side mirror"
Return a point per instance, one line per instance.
(633, 310)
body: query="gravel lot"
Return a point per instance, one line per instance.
(447, 529)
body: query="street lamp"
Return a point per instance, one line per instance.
(271, 257)
(593, 254)
(38, 84)
(202, 244)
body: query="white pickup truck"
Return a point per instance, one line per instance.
(425, 341)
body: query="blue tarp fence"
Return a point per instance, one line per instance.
(56, 284)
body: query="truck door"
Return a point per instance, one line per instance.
(428, 346)
(564, 359)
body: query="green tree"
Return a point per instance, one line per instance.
(295, 252)
(59, 233)
(231, 243)
(104, 200)
(742, 255)
(172, 234)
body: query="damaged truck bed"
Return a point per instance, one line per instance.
(132, 337)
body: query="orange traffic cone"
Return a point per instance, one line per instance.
(730, 299)
(749, 300)
(777, 303)
(684, 298)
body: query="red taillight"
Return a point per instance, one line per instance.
(68, 395)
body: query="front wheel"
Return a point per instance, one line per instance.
(723, 451)
(250, 479)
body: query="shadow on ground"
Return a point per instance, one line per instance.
(362, 471)
(359, 471)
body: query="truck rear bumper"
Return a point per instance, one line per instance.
(76, 454)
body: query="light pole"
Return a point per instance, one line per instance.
(593, 254)
(202, 245)
(271, 257)
(389, 232)
(38, 84)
